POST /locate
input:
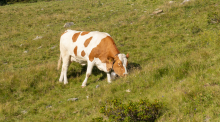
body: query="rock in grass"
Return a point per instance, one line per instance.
(49, 106)
(170, 2)
(52, 47)
(25, 51)
(158, 11)
(185, 1)
(38, 37)
(72, 99)
(128, 90)
(39, 47)
(97, 86)
(68, 24)
(24, 112)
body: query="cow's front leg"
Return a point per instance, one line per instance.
(88, 73)
(109, 77)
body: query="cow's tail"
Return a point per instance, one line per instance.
(59, 62)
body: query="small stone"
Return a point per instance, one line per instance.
(24, 112)
(128, 90)
(72, 99)
(53, 47)
(207, 119)
(75, 112)
(158, 11)
(87, 97)
(39, 47)
(100, 101)
(49, 106)
(170, 2)
(25, 51)
(185, 1)
(182, 81)
(38, 37)
(68, 24)
(97, 86)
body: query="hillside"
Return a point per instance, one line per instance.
(174, 58)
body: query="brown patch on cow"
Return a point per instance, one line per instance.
(75, 36)
(105, 51)
(84, 33)
(83, 53)
(109, 63)
(86, 43)
(75, 51)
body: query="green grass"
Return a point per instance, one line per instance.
(174, 57)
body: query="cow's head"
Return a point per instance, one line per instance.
(120, 64)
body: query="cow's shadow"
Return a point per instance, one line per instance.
(73, 73)
(132, 65)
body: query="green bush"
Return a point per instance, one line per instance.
(4, 2)
(130, 112)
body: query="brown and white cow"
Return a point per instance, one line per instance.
(91, 48)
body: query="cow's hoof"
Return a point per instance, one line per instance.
(83, 86)
(65, 83)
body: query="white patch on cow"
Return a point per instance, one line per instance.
(124, 61)
(78, 60)
(101, 66)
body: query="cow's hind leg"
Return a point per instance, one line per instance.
(88, 73)
(65, 68)
(63, 75)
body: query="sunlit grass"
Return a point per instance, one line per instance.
(174, 58)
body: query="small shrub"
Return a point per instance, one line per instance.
(132, 111)
(98, 119)
(4, 2)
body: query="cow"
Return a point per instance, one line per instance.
(91, 48)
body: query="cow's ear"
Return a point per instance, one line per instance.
(127, 56)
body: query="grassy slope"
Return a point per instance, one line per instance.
(174, 57)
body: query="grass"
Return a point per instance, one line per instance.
(174, 57)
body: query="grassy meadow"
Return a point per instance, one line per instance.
(174, 57)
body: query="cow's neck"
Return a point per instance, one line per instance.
(113, 52)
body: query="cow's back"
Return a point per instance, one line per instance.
(79, 44)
